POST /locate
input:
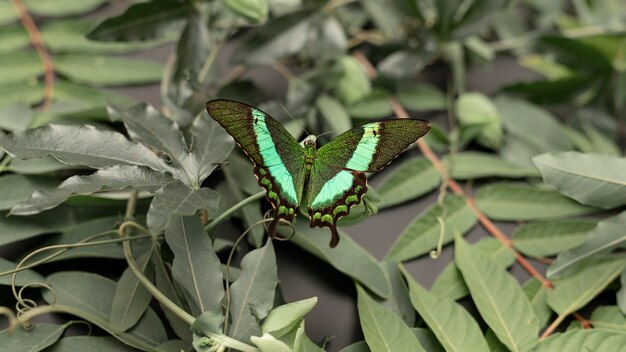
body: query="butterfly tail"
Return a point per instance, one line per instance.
(271, 230)
(334, 238)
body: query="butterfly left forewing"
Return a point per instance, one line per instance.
(337, 181)
(277, 157)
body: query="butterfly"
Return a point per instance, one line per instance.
(329, 180)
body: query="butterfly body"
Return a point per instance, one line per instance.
(329, 180)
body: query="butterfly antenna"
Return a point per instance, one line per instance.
(298, 122)
(327, 132)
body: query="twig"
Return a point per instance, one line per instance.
(40, 48)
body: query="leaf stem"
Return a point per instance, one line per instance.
(40, 48)
(226, 214)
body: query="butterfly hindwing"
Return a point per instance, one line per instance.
(337, 181)
(278, 158)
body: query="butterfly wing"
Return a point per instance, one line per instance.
(337, 180)
(278, 158)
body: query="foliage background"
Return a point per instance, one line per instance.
(431, 58)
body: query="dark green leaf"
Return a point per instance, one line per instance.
(256, 10)
(237, 177)
(412, 179)
(608, 235)
(117, 177)
(107, 71)
(498, 297)
(192, 49)
(143, 21)
(90, 343)
(16, 117)
(621, 294)
(551, 238)
(375, 105)
(32, 340)
(80, 145)
(253, 292)
(16, 188)
(348, 257)
(421, 97)
(475, 109)
(211, 145)
(177, 199)
(586, 177)
(38, 166)
(383, 330)
(422, 234)
(575, 291)
(472, 165)
(451, 323)
(23, 278)
(514, 202)
(59, 8)
(388, 17)
(399, 301)
(334, 113)
(196, 267)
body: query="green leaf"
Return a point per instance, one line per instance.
(38, 166)
(399, 301)
(302, 343)
(473, 165)
(250, 213)
(621, 294)
(23, 278)
(451, 323)
(524, 140)
(32, 340)
(90, 297)
(552, 237)
(7, 13)
(375, 105)
(107, 71)
(256, 10)
(16, 117)
(450, 281)
(575, 291)
(282, 319)
(143, 21)
(537, 294)
(177, 199)
(515, 202)
(388, 17)
(210, 147)
(586, 177)
(117, 177)
(353, 85)
(402, 64)
(12, 38)
(89, 343)
(348, 257)
(19, 67)
(383, 330)
(30, 92)
(131, 298)
(584, 340)
(268, 343)
(68, 36)
(421, 97)
(412, 179)
(609, 318)
(498, 297)
(193, 49)
(422, 234)
(333, 113)
(475, 109)
(196, 267)
(605, 237)
(60, 8)
(252, 295)
(80, 145)
(16, 188)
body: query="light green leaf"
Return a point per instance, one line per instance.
(177, 199)
(348, 257)
(498, 297)
(475, 109)
(253, 292)
(353, 85)
(131, 298)
(16, 188)
(537, 294)
(374, 105)
(399, 301)
(268, 343)
(383, 330)
(23, 278)
(32, 340)
(7, 13)
(210, 146)
(451, 323)
(421, 97)
(107, 71)
(605, 237)
(412, 179)
(143, 21)
(584, 340)
(16, 117)
(592, 179)
(90, 343)
(450, 282)
(473, 165)
(196, 267)
(524, 140)
(117, 177)
(12, 38)
(282, 319)
(302, 343)
(90, 297)
(30, 92)
(551, 237)
(516, 201)
(80, 145)
(575, 291)
(422, 234)
(256, 10)
(60, 8)
(333, 113)
(609, 318)
(19, 67)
